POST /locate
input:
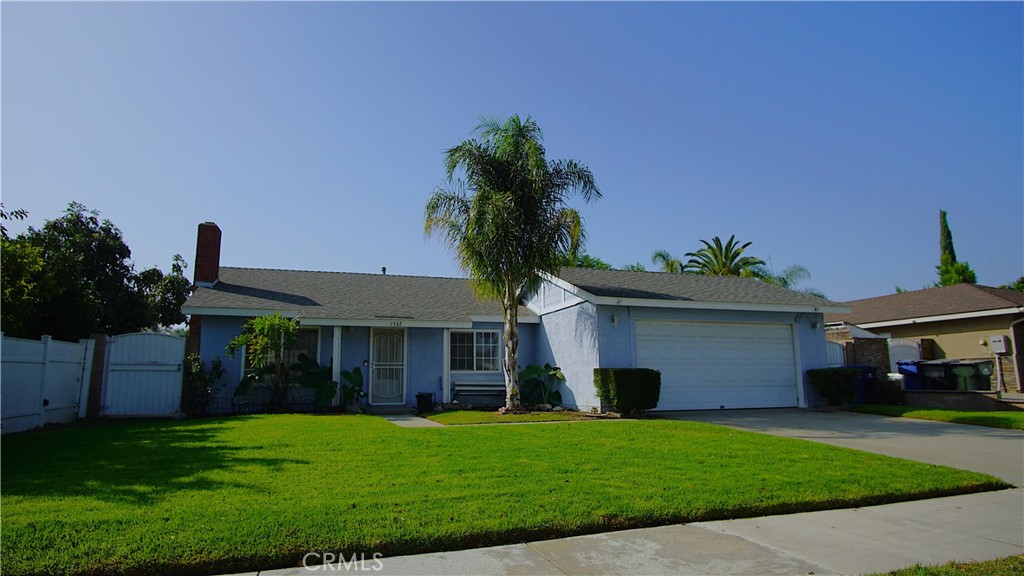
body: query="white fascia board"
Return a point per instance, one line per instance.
(304, 321)
(569, 287)
(383, 323)
(240, 312)
(942, 318)
(500, 320)
(691, 304)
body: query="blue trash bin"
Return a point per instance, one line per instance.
(912, 378)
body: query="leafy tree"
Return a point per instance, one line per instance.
(166, 293)
(718, 259)
(1017, 285)
(950, 271)
(5, 214)
(75, 276)
(20, 267)
(667, 262)
(588, 261)
(637, 267)
(264, 339)
(506, 220)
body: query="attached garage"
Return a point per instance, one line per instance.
(707, 365)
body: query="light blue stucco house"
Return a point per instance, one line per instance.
(719, 342)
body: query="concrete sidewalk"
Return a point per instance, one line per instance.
(852, 541)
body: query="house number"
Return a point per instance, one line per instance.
(396, 323)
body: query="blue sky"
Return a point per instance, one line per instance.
(830, 135)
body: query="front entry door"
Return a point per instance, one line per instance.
(387, 366)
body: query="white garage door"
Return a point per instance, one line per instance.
(711, 366)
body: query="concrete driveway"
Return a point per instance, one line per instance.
(993, 451)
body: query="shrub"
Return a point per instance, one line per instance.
(835, 384)
(204, 380)
(628, 390)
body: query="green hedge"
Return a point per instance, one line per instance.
(628, 390)
(835, 384)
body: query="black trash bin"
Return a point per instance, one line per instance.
(938, 375)
(425, 401)
(862, 384)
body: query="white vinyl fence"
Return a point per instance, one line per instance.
(836, 357)
(43, 382)
(903, 349)
(143, 375)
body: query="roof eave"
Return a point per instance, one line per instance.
(384, 322)
(940, 318)
(694, 305)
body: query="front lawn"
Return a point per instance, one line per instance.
(1008, 419)
(481, 417)
(259, 492)
(1003, 566)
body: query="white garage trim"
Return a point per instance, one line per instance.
(711, 365)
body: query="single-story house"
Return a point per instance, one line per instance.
(719, 342)
(961, 320)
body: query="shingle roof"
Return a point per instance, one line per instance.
(686, 287)
(342, 295)
(957, 299)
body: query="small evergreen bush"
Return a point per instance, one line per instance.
(628, 390)
(835, 384)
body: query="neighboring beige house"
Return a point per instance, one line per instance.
(961, 321)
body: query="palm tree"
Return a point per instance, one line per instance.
(505, 220)
(667, 262)
(788, 278)
(717, 259)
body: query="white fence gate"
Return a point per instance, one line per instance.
(143, 375)
(836, 357)
(43, 382)
(903, 349)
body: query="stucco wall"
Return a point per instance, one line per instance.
(568, 339)
(218, 331)
(425, 363)
(956, 338)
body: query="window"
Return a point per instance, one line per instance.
(306, 342)
(475, 351)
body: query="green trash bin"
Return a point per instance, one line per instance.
(973, 375)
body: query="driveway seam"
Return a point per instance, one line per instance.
(818, 569)
(545, 557)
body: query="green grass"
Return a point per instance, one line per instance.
(480, 417)
(1002, 566)
(1006, 419)
(258, 492)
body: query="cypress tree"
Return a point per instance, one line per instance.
(950, 271)
(945, 238)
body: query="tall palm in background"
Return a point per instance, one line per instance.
(667, 262)
(718, 259)
(788, 278)
(506, 219)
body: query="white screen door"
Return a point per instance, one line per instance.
(387, 367)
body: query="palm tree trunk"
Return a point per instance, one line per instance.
(511, 360)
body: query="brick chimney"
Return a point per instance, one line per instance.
(207, 269)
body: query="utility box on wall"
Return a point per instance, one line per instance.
(999, 344)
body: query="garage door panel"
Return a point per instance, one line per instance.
(708, 365)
